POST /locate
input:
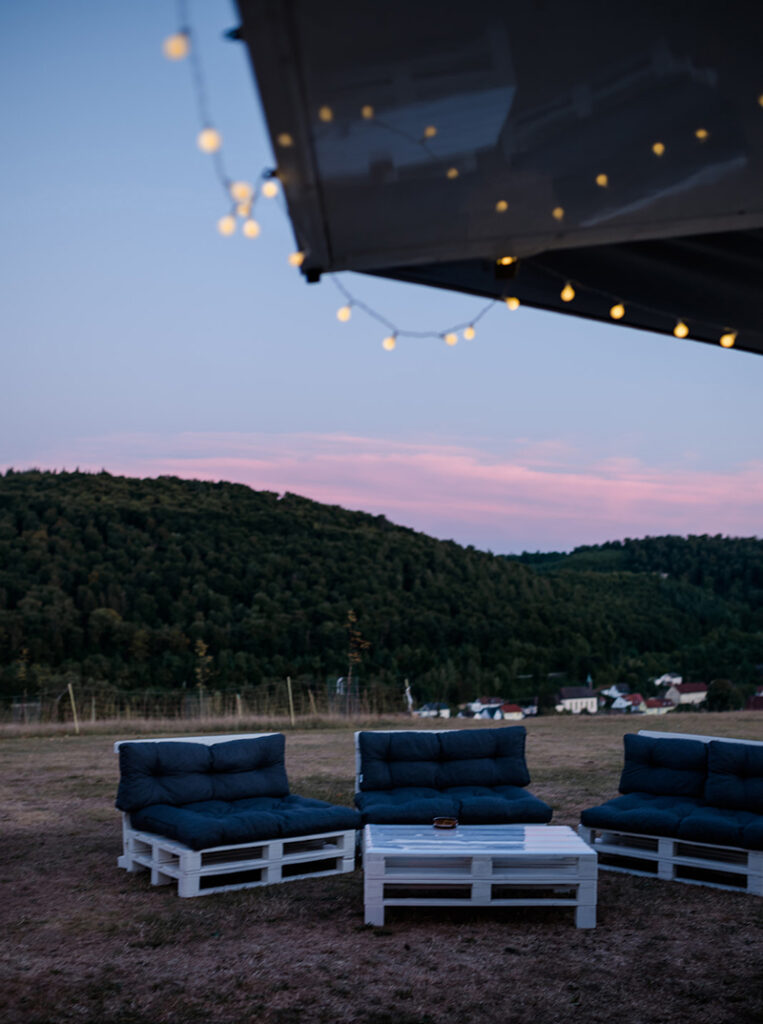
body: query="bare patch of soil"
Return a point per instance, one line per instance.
(84, 941)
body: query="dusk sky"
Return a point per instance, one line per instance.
(135, 338)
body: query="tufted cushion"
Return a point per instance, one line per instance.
(177, 773)
(735, 776)
(724, 827)
(414, 805)
(436, 760)
(229, 822)
(663, 767)
(501, 805)
(644, 813)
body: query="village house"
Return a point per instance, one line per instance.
(577, 699)
(687, 693)
(658, 706)
(631, 702)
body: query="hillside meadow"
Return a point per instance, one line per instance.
(84, 941)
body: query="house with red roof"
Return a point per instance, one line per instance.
(658, 706)
(687, 693)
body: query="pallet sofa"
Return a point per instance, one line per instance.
(411, 776)
(691, 810)
(214, 813)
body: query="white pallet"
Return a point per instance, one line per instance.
(679, 860)
(243, 866)
(479, 866)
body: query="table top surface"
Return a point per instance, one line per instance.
(470, 839)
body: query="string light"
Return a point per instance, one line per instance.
(226, 225)
(296, 259)
(658, 148)
(389, 342)
(469, 333)
(177, 46)
(244, 209)
(209, 140)
(367, 112)
(241, 191)
(251, 228)
(681, 330)
(512, 302)
(270, 189)
(451, 338)
(285, 140)
(452, 172)
(727, 340)
(558, 213)
(602, 180)
(506, 261)
(326, 114)
(501, 206)
(617, 312)
(760, 100)
(702, 134)
(430, 131)
(343, 314)
(567, 293)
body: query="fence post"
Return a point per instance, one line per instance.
(92, 709)
(313, 708)
(291, 701)
(74, 709)
(239, 706)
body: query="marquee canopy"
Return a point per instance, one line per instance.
(603, 160)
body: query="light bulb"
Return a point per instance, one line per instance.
(451, 338)
(501, 206)
(367, 112)
(506, 261)
(241, 191)
(617, 312)
(558, 213)
(728, 339)
(658, 148)
(285, 140)
(176, 46)
(469, 333)
(567, 293)
(209, 140)
(389, 342)
(326, 114)
(251, 228)
(270, 189)
(296, 259)
(343, 314)
(760, 100)
(512, 302)
(226, 225)
(452, 172)
(702, 134)
(602, 180)
(430, 131)
(681, 330)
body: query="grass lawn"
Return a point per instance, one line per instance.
(84, 941)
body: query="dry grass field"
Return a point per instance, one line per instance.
(85, 941)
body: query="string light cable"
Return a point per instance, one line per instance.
(242, 197)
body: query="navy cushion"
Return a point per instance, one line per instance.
(724, 827)
(735, 776)
(227, 823)
(664, 767)
(482, 805)
(391, 760)
(409, 806)
(436, 760)
(645, 813)
(178, 773)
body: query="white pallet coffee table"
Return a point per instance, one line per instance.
(478, 865)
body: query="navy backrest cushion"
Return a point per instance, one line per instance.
(178, 773)
(393, 760)
(735, 776)
(438, 760)
(664, 767)
(483, 757)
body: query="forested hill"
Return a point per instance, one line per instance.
(127, 582)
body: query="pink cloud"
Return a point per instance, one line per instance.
(536, 495)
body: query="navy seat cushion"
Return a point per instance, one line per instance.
(211, 823)
(437, 760)
(646, 813)
(735, 776)
(724, 827)
(472, 805)
(664, 767)
(177, 773)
